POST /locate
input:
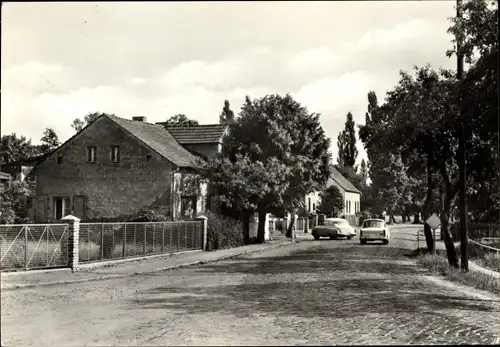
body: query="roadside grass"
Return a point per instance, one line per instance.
(438, 264)
(489, 261)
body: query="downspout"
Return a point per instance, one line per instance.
(172, 191)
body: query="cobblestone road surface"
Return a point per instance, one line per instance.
(316, 292)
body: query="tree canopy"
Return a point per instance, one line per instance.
(276, 153)
(180, 120)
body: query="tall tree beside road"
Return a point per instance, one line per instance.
(341, 148)
(78, 124)
(346, 142)
(284, 154)
(180, 120)
(49, 140)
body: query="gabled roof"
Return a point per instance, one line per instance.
(159, 139)
(209, 133)
(342, 181)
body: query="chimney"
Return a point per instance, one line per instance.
(139, 119)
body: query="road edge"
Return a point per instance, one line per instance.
(167, 268)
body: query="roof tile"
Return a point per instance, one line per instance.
(342, 181)
(209, 133)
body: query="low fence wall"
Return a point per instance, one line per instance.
(111, 241)
(32, 246)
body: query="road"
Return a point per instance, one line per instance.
(314, 292)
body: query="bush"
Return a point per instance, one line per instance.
(146, 214)
(223, 232)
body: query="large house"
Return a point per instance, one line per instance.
(350, 194)
(114, 167)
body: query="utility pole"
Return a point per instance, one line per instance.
(462, 153)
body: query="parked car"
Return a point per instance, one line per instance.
(374, 230)
(334, 228)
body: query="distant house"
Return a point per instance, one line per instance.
(350, 194)
(114, 167)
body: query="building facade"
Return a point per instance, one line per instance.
(113, 168)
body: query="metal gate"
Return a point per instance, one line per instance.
(33, 246)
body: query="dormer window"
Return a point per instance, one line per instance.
(148, 157)
(59, 159)
(91, 154)
(115, 154)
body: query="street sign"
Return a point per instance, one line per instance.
(434, 222)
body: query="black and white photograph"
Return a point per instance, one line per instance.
(250, 173)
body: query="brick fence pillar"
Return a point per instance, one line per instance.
(71, 247)
(204, 224)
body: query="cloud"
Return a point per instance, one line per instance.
(110, 64)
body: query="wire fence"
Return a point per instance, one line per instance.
(110, 241)
(33, 246)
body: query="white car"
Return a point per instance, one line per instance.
(374, 230)
(334, 228)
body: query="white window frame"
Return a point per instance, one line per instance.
(114, 154)
(91, 154)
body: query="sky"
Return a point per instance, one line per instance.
(63, 60)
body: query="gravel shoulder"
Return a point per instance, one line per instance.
(314, 292)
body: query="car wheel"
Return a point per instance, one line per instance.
(386, 242)
(363, 242)
(349, 237)
(316, 237)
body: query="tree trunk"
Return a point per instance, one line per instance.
(429, 239)
(245, 218)
(289, 232)
(392, 220)
(445, 230)
(416, 218)
(261, 230)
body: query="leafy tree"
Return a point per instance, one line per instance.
(226, 116)
(13, 199)
(180, 120)
(341, 143)
(79, 124)
(49, 140)
(16, 148)
(276, 153)
(332, 202)
(346, 143)
(477, 29)
(363, 171)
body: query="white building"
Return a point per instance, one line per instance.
(350, 193)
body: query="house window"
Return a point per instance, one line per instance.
(59, 159)
(115, 154)
(61, 207)
(314, 207)
(91, 154)
(309, 204)
(148, 157)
